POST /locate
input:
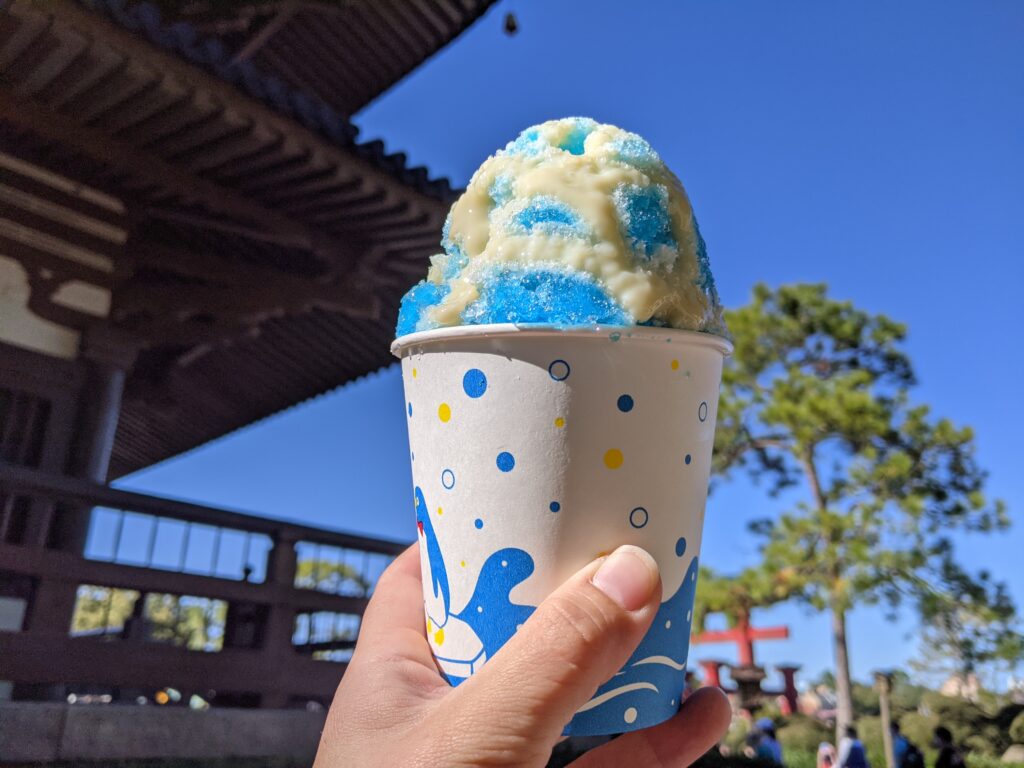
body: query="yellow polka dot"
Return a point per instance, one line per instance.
(444, 412)
(440, 511)
(613, 458)
(430, 626)
(559, 422)
(415, 373)
(675, 365)
(439, 636)
(463, 563)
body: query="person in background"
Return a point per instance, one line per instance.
(949, 755)
(769, 747)
(900, 745)
(905, 753)
(826, 756)
(851, 752)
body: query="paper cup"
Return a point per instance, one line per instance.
(536, 450)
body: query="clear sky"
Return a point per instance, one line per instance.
(877, 147)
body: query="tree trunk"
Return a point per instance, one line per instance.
(844, 693)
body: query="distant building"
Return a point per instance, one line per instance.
(962, 687)
(819, 702)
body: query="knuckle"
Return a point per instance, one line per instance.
(577, 622)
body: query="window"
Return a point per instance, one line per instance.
(325, 635)
(101, 611)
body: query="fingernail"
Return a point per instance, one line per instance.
(629, 576)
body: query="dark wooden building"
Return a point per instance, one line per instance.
(192, 237)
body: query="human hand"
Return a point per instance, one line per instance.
(394, 709)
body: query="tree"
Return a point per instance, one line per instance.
(101, 610)
(817, 394)
(737, 596)
(331, 576)
(969, 624)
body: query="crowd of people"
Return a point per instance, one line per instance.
(762, 742)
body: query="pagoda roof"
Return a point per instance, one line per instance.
(363, 46)
(265, 247)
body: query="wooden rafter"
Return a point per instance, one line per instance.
(124, 158)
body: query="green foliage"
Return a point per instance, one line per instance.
(869, 729)
(969, 622)
(734, 596)
(801, 732)
(985, 761)
(865, 701)
(101, 610)
(330, 576)
(978, 729)
(196, 623)
(715, 759)
(736, 735)
(905, 696)
(1017, 729)
(818, 393)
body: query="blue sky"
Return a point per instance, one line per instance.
(877, 147)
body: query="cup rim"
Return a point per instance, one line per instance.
(628, 333)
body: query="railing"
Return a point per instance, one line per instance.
(266, 600)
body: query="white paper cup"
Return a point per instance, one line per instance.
(534, 451)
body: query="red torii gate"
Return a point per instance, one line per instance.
(744, 635)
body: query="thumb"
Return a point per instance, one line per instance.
(577, 638)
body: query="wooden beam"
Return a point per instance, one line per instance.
(271, 28)
(67, 13)
(124, 158)
(43, 563)
(249, 302)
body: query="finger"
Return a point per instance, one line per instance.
(702, 721)
(393, 624)
(577, 638)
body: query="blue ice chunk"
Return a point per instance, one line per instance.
(547, 215)
(501, 190)
(415, 303)
(634, 150)
(446, 232)
(527, 143)
(453, 263)
(643, 213)
(543, 294)
(577, 136)
(705, 280)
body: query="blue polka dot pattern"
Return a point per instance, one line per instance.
(687, 459)
(478, 523)
(448, 479)
(554, 506)
(410, 410)
(681, 546)
(625, 403)
(506, 461)
(559, 370)
(638, 517)
(474, 382)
